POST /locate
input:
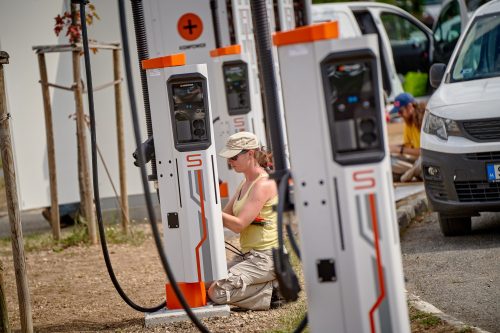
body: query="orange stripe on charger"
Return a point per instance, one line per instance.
(310, 33)
(373, 211)
(194, 294)
(203, 222)
(228, 50)
(178, 59)
(223, 190)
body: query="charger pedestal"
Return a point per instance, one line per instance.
(165, 316)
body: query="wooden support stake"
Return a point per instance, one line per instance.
(87, 204)
(4, 314)
(13, 209)
(121, 142)
(51, 155)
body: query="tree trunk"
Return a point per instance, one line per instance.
(4, 315)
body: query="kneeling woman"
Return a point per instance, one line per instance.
(250, 213)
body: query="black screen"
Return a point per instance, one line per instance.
(351, 89)
(237, 89)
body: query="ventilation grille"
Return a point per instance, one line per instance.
(436, 189)
(484, 130)
(487, 156)
(477, 191)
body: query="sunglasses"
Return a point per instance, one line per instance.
(235, 157)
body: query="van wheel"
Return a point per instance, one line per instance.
(454, 226)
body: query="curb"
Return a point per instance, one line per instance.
(409, 208)
(423, 306)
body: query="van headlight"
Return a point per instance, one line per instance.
(440, 127)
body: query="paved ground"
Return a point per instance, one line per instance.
(459, 275)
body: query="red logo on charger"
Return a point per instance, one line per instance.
(194, 160)
(239, 123)
(364, 179)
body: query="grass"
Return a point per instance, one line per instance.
(424, 319)
(295, 311)
(291, 320)
(78, 236)
(466, 329)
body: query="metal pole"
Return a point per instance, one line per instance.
(121, 142)
(51, 155)
(87, 205)
(13, 208)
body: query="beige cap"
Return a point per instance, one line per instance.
(238, 142)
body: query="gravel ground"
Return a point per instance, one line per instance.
(71, 292)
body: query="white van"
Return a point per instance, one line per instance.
(405, 43)
(460, 140)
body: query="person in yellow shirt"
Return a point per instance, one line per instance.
(249, 213)
(412, 113)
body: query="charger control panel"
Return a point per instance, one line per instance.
(353, 107)
(237, 87)
(189, 110)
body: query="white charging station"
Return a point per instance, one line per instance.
(343, 186)
(239, 107)
(187, 176)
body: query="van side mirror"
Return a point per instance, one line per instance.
(436, 74)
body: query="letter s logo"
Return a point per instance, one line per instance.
(194, 160)
(239, 123)
(364, 179)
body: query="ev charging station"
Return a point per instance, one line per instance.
(187, 176)
(188, 26)
(240, 108)
(343, 187)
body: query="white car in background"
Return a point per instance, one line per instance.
(452, 20)
(460, 140)
(405, 43)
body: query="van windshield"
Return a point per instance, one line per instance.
(479, 54)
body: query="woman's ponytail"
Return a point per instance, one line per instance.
(264, 158)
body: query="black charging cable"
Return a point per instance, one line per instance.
(287, 279)
(95, 176)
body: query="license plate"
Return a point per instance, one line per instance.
(493, 172)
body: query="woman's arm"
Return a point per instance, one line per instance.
(228, 208)
(261, 192)
(410, 151)
(404, 150)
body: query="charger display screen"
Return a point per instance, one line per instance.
(237, 87)
(351, 88)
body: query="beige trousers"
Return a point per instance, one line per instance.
(249, 284)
